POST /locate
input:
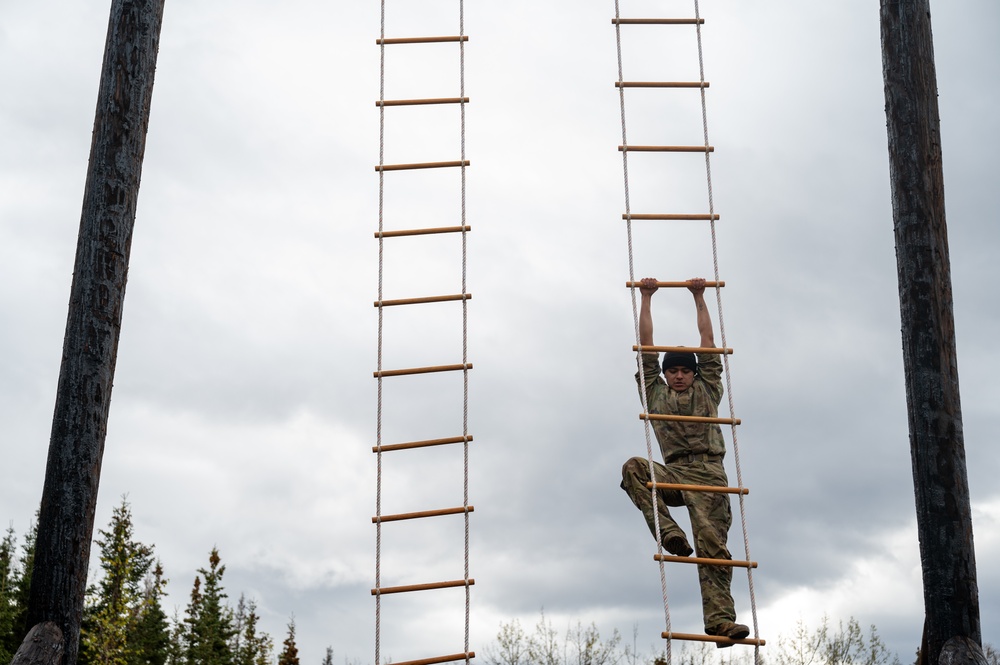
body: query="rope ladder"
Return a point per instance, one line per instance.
(709, 217)
(403, 237)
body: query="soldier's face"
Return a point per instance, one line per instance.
(679, 378)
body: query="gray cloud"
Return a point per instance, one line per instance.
(244, 408)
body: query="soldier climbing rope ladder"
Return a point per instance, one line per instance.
(691, 385)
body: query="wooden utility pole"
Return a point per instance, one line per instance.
(940, 481)
(90, 346)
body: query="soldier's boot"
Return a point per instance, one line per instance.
(676, 544)
(732, 630)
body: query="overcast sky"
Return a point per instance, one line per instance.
(244, 406)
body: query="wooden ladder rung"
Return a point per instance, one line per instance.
(657, 21)
(694, 637)
(422, 587)
(422, 370)
(420, 102)
(681, 349)
(440, 659)
(674, 285)
(689, 419)
(671, 217)
(421, 165)
(422, 40)
(460, 510)
(727, 563)
(418, 301)
(666, 148)
(661, 84)
(421, 444)
(422, 232)
(680, 487)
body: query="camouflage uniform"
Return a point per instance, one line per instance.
(693, 454)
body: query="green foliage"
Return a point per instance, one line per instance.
(589, 649)
(250, 647)
(511, 646)
(15, 585)
(290, 652)
(328, 658)
(149, 634)
(8, 580)
(124, 622)
(176, 645)
(121, 600)
(543, 645)
(209, 624)
(848, 645)
(843, 644)
(22, 589)
(582, 645)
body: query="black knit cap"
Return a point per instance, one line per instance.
(675, 359)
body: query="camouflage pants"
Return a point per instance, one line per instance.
(711, 517)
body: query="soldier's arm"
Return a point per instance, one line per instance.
(697, 288)
(710, 373)
(647, 289)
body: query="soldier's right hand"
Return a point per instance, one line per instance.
(647, 286)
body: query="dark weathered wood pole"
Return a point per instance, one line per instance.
(940, 481)
(90, 346)
(43, 645)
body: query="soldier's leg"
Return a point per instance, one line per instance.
(635, 475)
(711, 517)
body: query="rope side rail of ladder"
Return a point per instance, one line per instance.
(711, 217)
(755, 640)
(381, 304)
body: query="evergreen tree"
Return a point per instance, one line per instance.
(21, 587)
(15, 585)
(176, 646)
(149, 634)
(115, 605)
(209, 622)
(239, 621)
(328, 658)
(185, 632)
(250, 647)
(290, 652)
(8, 608)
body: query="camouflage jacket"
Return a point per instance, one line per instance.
(701, 399)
